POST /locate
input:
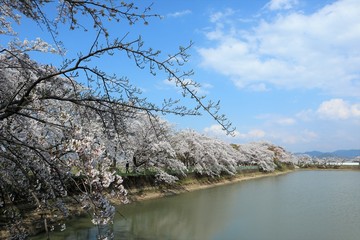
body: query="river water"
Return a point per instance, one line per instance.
(303, 205)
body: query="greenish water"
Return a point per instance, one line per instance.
(304, 205)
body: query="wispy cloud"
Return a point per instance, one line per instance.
(260, 87)
(292, 50)
(221, 15)
(275, 119)
(179, 14)
(289, 138)
(286, 121)
(281, 4)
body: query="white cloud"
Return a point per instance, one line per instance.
(216, 130)
(305, 115)
(286, 121)
(293, 138)
(255, 133)
(308, 135)
(355, 110)
(281, 4)
(338, 109)
(261, 87)
(217, 16)
(275, 119)
(333, 109)
(180, 13)
(317, 51)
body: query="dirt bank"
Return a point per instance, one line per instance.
(192, 184)
(34, 223)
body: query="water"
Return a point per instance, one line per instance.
(320, 205)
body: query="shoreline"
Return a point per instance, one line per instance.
(193, 184)
(189, 184)
(143, 194)
(185, 185)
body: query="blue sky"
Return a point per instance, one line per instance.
(285, 71)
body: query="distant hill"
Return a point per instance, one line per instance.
(339, 153)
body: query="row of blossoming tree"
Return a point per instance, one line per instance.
(64, 129)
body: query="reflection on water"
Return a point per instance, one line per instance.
(196, 215)
(297, 206)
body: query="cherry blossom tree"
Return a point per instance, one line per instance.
(47, 151)
(149, 148)
(205, 155)
(304, 160)
(266, 155)
(62, 126)
(212, 157)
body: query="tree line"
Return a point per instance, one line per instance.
(73, 124)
